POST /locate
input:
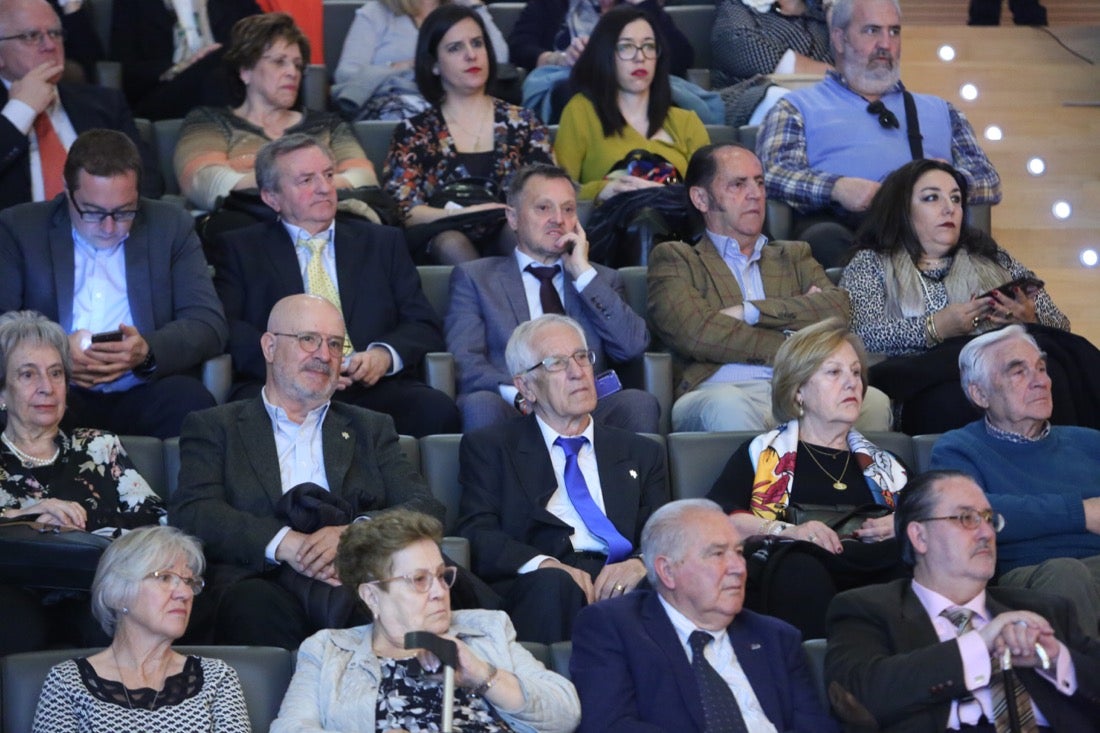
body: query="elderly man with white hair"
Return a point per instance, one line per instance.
(1044, 479)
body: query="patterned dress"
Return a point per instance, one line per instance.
(205, 696)
(410, 699)
(92, 469)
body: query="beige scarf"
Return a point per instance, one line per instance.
(966, 277)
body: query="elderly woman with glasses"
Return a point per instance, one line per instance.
(141, 596)
(365, 679)
(74, 479)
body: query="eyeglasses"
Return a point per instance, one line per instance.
(281, 62)
(886, 118)
(166, 578)
(421, 580)
(310, 342)
(98, 217)
(560, 363)
(35, 38)
(972, 519)
(626, 50)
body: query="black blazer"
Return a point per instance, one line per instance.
(507, 478)
(380, 292)
(88, 107)
(884, 651)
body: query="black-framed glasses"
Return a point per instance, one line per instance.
(421, 580)
(560, 363)
(627, 50)
(972, 519)
(310, 342)
(166, 578)
(886, 118)
(98, 217)
(35, 38)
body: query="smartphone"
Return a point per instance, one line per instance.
(1029, 285)
(607, 383)
(106, 336)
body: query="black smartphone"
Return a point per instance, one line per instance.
(106, 336)
(1029, 285)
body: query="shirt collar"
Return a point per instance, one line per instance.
(524, 259)
(1011, 437)
(296, 232)
(730, 248)
(935, 604)
(549, 435)
(279, 416)
(89, 249)
(685, 626)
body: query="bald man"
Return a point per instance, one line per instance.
(237, 462)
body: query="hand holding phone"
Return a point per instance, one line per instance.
(1029, 286)
(104, 337)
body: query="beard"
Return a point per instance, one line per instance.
(867, 79)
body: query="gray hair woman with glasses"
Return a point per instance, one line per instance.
(142, 595)
(364, 679)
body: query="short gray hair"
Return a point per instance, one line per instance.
(840, 15)
(974, 365)
(667, 532)
(521, 351)
(130, 559)
(19, 327)
(267, 159)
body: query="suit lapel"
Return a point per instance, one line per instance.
(661, 631)
(282, 258)
(139, 288)
(254, 425)
(64, 264)
(724, 281)
(510, 280)
(338, 445)
(619, 482)
(350, 258)
(534, 471)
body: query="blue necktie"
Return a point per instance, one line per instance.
(618, 547)
(721, 713)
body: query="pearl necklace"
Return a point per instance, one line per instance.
(25, 458)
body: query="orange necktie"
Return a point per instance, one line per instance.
(51, 153)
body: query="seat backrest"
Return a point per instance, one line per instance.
(375, 137)
(720, 134)
(337, 17)
(815, 660)
(560, 651)
(264, 672)
(166, 133)
(435, 281)
(147, 453)
(411, 448)
(697, 459)
(539, 651)
(634, 282)
(504, 16)
(900, 444)
(695, 22)
(922, 451)
(439, 465)
(746, 134)
(172, 464)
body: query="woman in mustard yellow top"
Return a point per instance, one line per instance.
(624, 103)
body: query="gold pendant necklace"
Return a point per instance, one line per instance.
(837, 483)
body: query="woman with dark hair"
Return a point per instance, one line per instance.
(467, 137)
(217, 148)
(915, 281)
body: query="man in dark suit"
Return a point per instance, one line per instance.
(646, 661)
(726, 304)
(493, 295)
(553, 503)
(237, 461)
(914, 656)
(40, 118)
(365, 270)
(125, 277)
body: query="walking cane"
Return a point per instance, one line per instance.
(447, 653)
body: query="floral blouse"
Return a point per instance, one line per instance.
(422, 154)
(93, 469)
(410, 700)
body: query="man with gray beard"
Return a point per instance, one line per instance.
(826, 148)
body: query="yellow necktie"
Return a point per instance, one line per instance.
(318, 281)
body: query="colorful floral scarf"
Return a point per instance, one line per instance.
(773, 457)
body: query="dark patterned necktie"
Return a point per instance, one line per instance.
(720, 709)
(548, 294)
(962, 618)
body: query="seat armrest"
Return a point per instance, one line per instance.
(439, 371)
(779, 220)
(657, 377)
(315, 87)
(458, 549)
(217, 376)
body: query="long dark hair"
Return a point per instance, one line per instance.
(594, 73)
(432, 30)
(889, 221)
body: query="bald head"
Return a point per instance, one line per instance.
(303, 347)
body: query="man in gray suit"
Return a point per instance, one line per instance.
(239, 461)
(126, 278)
(548, 273)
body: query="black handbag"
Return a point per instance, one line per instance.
(37, 555)
(468, 191)
(844, 519)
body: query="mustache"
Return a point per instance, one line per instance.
(318, 365)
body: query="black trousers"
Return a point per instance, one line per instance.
(156, 408)
(1024, 12)
(543, 603)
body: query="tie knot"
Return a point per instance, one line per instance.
(314, 244)
(699, 640)
(571, 446)
(544, 274)
(958, 616)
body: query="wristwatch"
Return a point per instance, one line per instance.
(146, 368)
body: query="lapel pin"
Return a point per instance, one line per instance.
(345, 435)
(754, 646)
(633, 473)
